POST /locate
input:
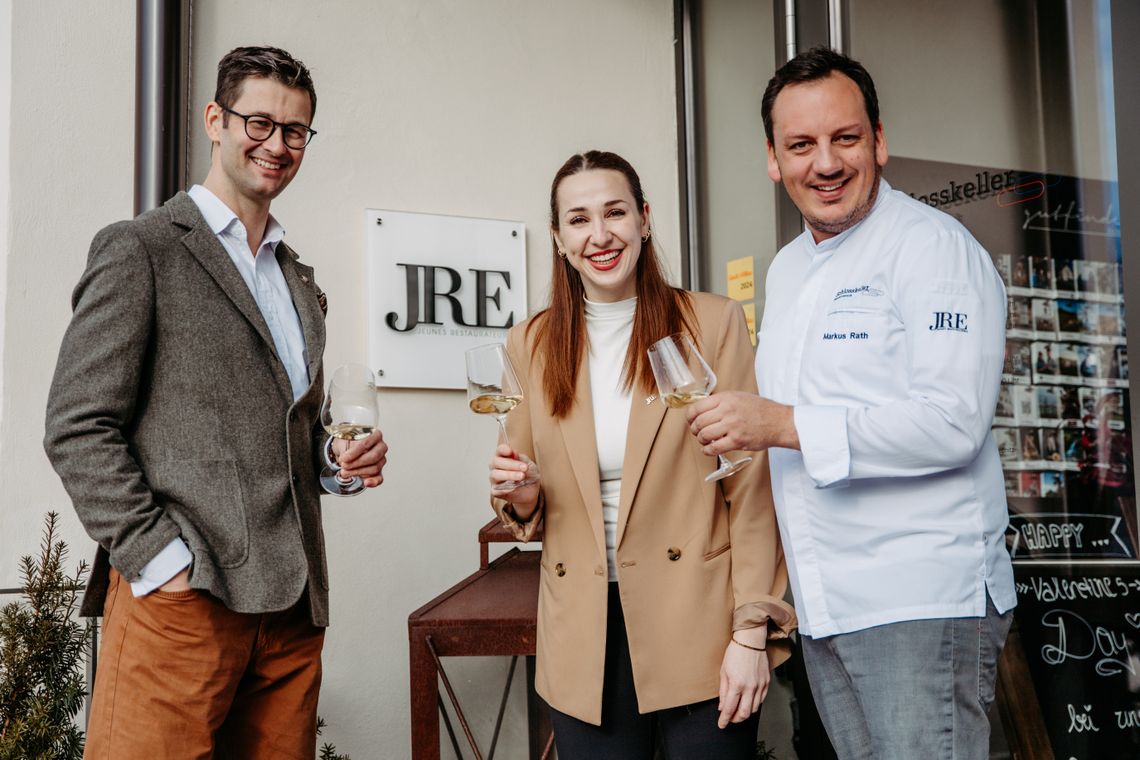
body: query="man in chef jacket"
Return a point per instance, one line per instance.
(879, 361)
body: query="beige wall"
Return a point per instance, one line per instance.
(435, 106)
(5, 167)
(69, 141)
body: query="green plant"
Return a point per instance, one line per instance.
(763, 753)
(328, 751)
(42, 650)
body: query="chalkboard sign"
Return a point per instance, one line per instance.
(1080, 633)
(1063, 431)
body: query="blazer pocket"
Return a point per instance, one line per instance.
(204, 497)
(717, 552)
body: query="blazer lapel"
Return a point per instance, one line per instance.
(645, 416)
(299, 278)
(201, 241)
(581, 447)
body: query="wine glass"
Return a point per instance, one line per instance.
(683, 376)
(349, 412)
(493, 388)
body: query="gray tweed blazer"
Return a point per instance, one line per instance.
(170, 415)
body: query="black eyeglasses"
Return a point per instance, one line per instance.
(261, 128)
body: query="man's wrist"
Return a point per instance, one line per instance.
(791, 436)
(164, 566)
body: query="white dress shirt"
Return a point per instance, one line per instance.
(610, 328)
(888, 340)
(262, 274)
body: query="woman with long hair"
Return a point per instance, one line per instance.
(661, 595)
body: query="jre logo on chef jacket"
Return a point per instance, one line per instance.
(949, 320)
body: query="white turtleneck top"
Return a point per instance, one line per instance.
(609, 327)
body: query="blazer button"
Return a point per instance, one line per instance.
(673, 553)
(559, 570)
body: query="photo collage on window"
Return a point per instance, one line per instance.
(1063, 404)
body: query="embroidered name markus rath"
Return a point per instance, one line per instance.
(862, 290)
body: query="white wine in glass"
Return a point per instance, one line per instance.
(497, 404)
(683, 376)
(493, 388)
(349, 412)
(683, 398)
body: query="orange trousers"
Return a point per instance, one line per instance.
(180, 676)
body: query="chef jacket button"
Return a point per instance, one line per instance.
(559, 570)
(673, 553)
(599, 570)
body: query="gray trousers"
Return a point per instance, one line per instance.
(909, 690)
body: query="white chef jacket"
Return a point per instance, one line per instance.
(888, 340)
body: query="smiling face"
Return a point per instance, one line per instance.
(826, 152)
(245, 173)
(599, 226)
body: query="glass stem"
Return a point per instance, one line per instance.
(503, 426)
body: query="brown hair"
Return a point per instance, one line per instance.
(560, 329)
(272, 63)
(812, 66)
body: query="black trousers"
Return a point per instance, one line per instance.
(688, 732)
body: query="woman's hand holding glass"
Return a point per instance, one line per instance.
(515, 477)
(493, 388)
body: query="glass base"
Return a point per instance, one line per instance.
(726, 468)
(331, 482)
(512, 485)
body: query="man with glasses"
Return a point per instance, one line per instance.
(183, 421)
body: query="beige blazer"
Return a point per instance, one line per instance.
(696, 560)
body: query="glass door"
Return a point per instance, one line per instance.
(1003, 114)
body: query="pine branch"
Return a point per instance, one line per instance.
(42, 651)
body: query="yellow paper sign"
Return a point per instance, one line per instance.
(741, 279)
(750, 318)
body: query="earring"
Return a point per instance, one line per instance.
(561, 253)
(645, 237)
